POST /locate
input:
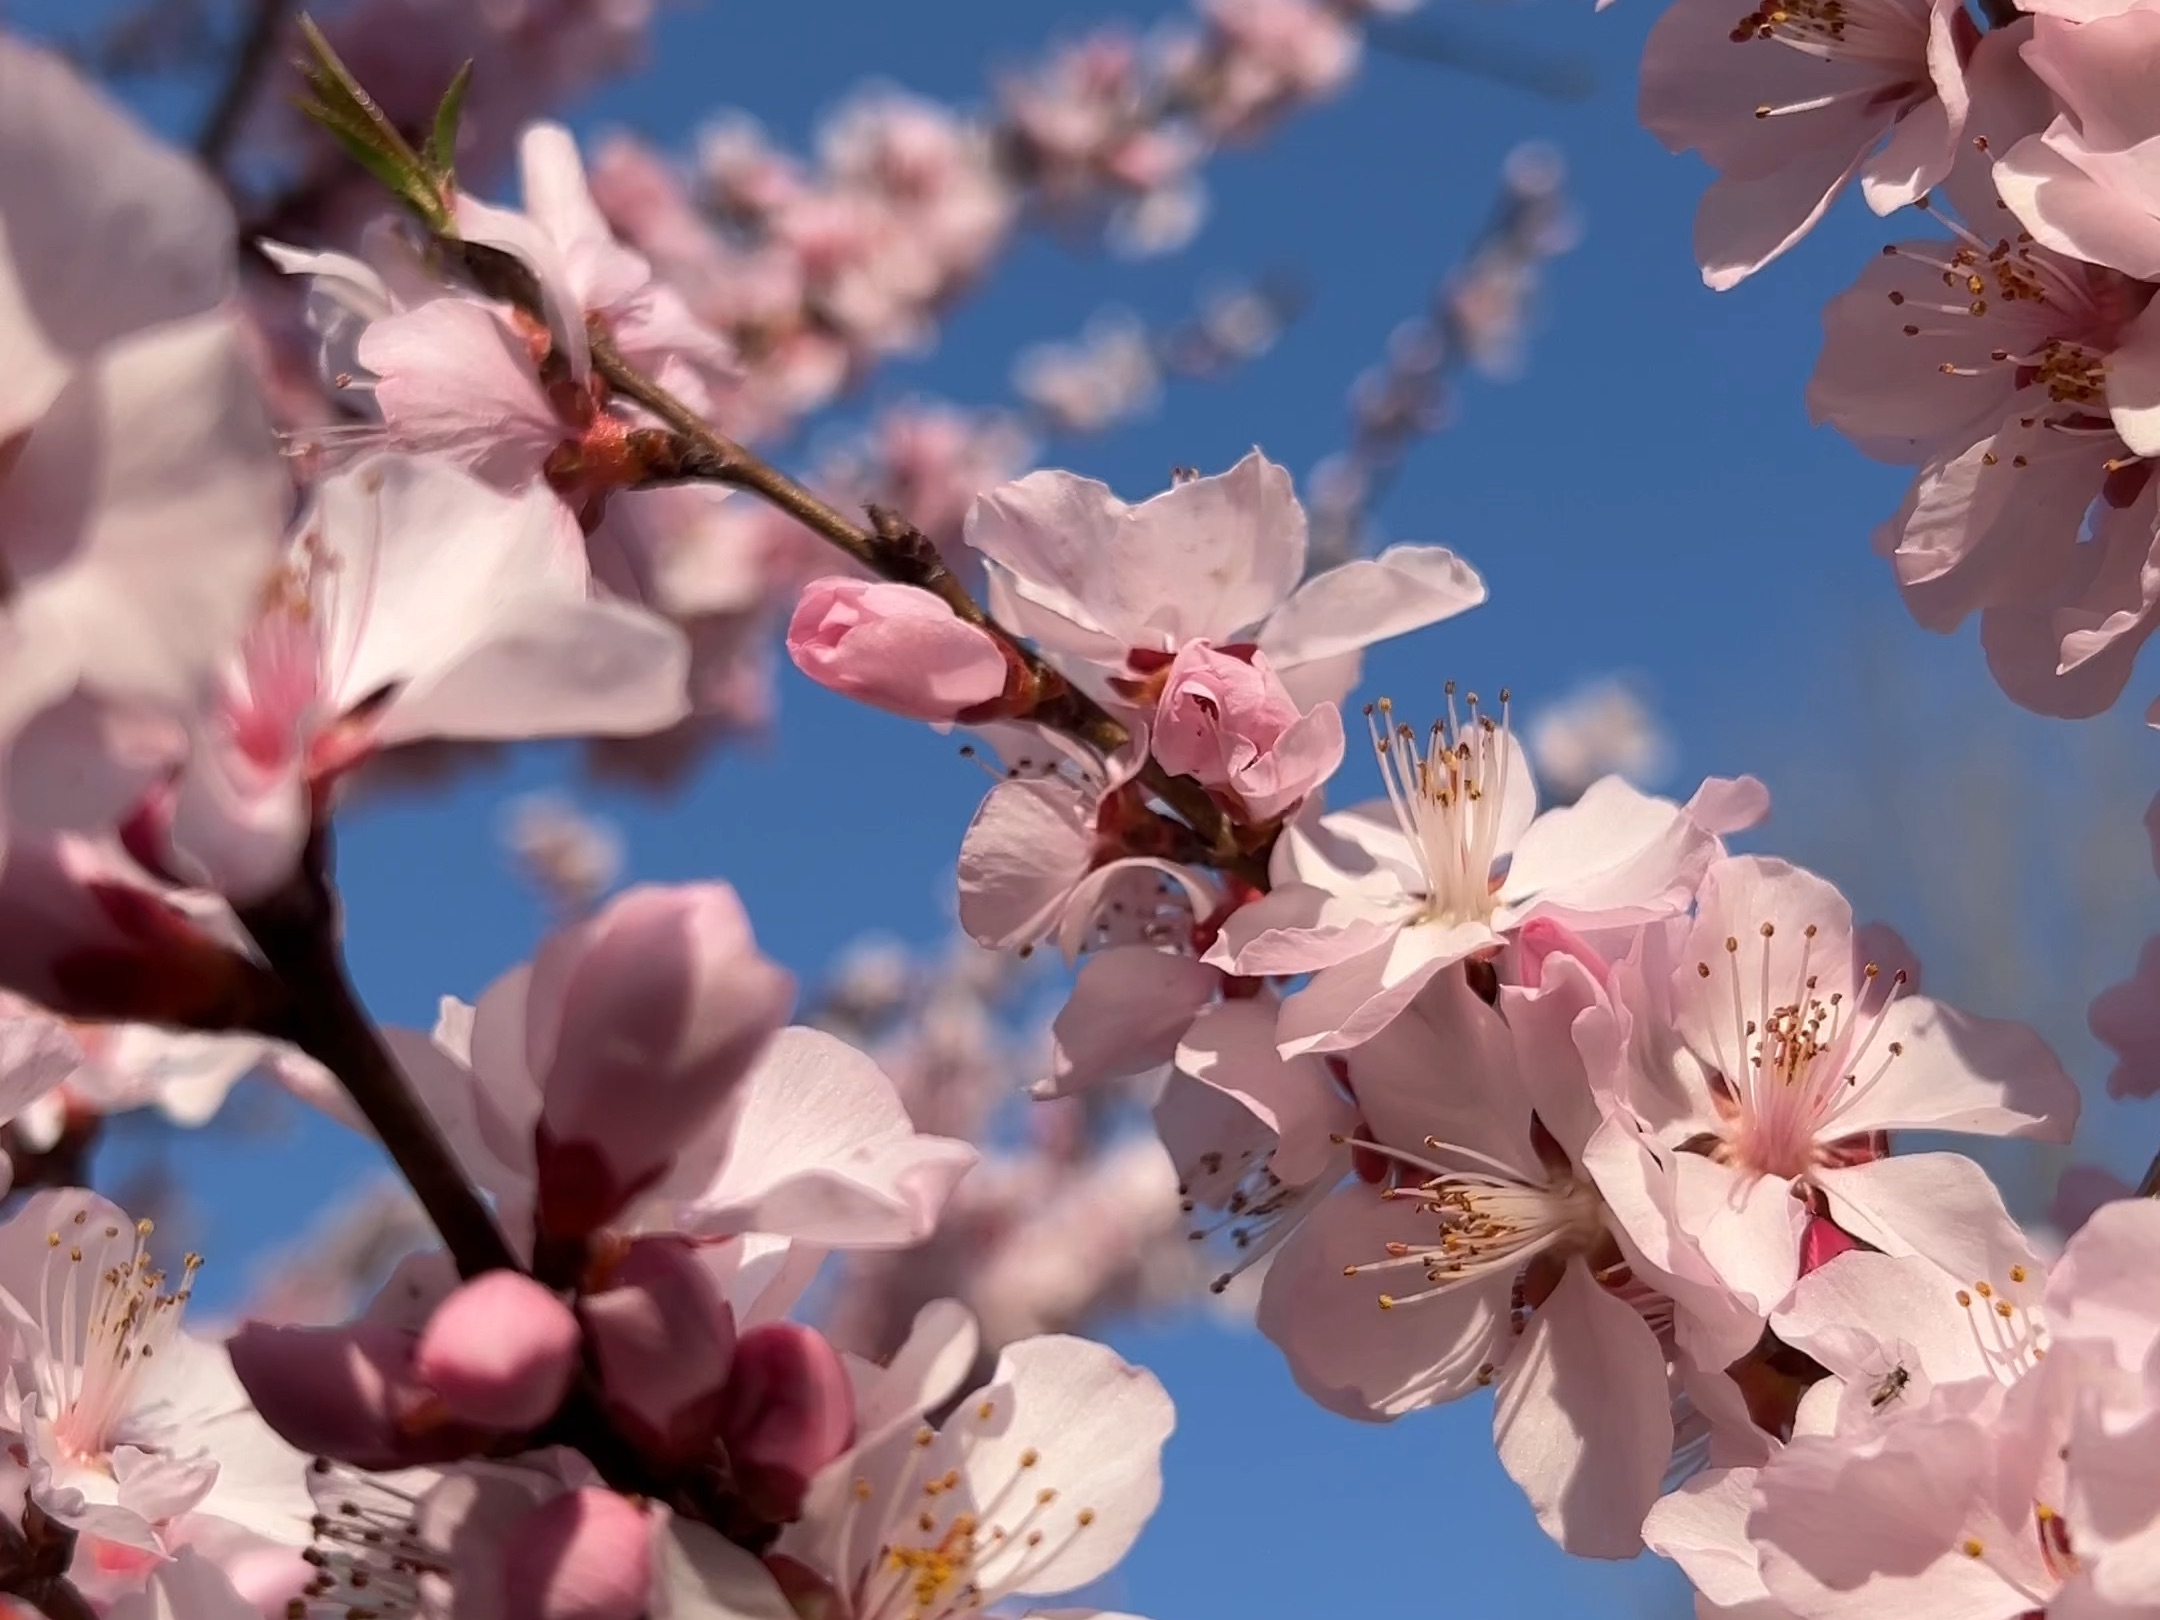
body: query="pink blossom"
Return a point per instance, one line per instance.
(1262, 57)
(663, 1339)
(1045, 858)
(1789, 103)
(136, 534)
(788, 1412)
(1130, 1007)
(895, 647)
(1219, 559)
(2024, 397)
(622, 1044)
(2089, 185)
(2029, 1485)
(128, 1422)
(1066, 1438)
(1377, 900)
(1227, 721)
(583, 1556)
(415, 602)
(1756, 1059)
(1485, 1257)
(500, 1351)
(640, 1024)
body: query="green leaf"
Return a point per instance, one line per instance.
(442, 140)
(336, 100)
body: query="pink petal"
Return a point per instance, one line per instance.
(584, 1556)
(1583, 1422)
(453, 380)
(500, 1351)
(1358, 603)
(1130, 1007)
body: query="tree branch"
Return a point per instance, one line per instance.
(266, 24)
(297, 931)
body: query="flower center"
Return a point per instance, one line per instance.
(367, 1551)
(1491, 1219)
(100, 1350)
(1448, 797)
(1843, 30)
(955, 1543)
(1785, 1076)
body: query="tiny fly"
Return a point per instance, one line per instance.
(1890, 1388)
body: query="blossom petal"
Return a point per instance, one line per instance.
(1583, 1422)
(1373, 599)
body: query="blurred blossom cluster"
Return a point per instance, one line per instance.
(1478, 317)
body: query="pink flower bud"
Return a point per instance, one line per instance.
(895, 648)
(790, 1410)
(500, 1351)
(665, 1340)
(639, 1023)
(347, 1392)
(1225, 719)
(586, 1555)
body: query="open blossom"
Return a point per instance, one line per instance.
(2089, 185)
(1790, 101)
(1375, 901)
(415, 603)
(1120, 590)
(131, 1427)
(2026, 1484)
(133, 534)
(2026, 384)
(1047, 856)
(1037, 1483)
(1485, 1256)
(1757, 1059)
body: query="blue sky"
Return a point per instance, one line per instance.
(1649, 498)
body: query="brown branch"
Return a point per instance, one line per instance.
(297, 931)
(693, 450)
(252, 58)
(2149, 1187)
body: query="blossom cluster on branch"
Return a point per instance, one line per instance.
(1569, 1101)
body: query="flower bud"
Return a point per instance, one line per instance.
(665, 1340)
(500, 1351)
(1226, 720)
(789, 1411)
(896, 648)
(640, 1022)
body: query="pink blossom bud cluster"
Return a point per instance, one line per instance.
(1478, 317)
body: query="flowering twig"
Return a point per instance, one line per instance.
(690, 449)
(297, 931)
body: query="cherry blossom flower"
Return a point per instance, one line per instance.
(1790, 101)
(1048, 856)
(128, 1422)
(135, 535)
(2029, 1486)
(416, 603)
(1377, 900)
(713, 1129)
(1491, 1259)
(2087, 186)
(1757, 1059)
(1038, 1483)
(2023, 393)
(1218, 559)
